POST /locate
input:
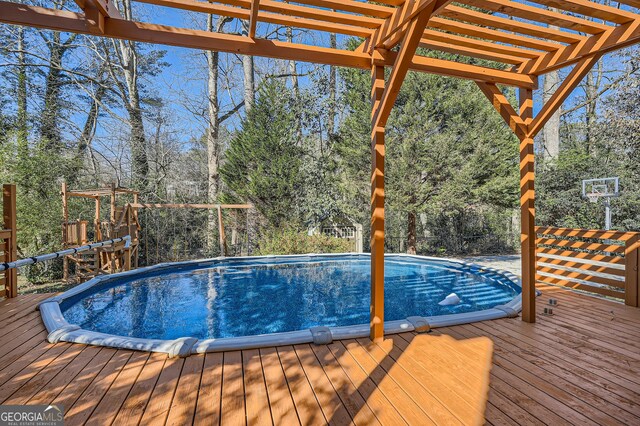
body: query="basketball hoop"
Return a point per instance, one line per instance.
(605, 188)
(593, 197)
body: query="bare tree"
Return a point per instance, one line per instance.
(49, 129)
(213, 129)
(331, 113)
(591, 87)
(84, 150)
(127, 65)
(248, 68)
(22, 118)
(551, 131)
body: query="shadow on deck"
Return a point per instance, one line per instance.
(579, 366)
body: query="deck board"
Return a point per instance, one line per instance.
(209, 395)
(255, 391)
(580, 366)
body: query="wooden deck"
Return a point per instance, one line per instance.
(580, 367)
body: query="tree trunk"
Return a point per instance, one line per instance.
(213, 130)
(331, 110)
(49, 130)
(89, 128)
(592, 85)
(292, 65)
(296, 89)
(22, 117)
(248, 69)
(411, 232)
(551, 131)
(129, 58)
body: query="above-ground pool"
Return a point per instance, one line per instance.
(232, 303)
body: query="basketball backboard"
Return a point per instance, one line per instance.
(594, 189)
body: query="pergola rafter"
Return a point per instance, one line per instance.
(392, 30)
(513, 35)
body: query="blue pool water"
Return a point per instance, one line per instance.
(233, 298)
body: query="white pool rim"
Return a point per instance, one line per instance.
(62, 331)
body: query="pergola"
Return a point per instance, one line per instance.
(529, 38)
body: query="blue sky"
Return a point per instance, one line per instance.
(185, 77)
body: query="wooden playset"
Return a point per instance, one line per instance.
(122, 221)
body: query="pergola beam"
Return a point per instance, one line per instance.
(537, 14)
(470, 52)
(507, 112)
(395, 26)
(20, 14)
(613, 39)
(289, 9)
(96, 11)
(482, 19)
(359, 7)
(455, 44)
(562, 93)
(457, 40)
(466, 71)
(274, 18)
(253, 18)
(589, 8)
(470, 30)
(401, 66)
(634, 3)
(106, 9)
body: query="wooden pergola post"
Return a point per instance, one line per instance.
(383, 96)
(527, 210)
(377, 209)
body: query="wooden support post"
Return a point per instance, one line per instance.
(223, 239)
(527, 211)
(136, 248)
(11, 253)
(135, 209)
(127, 259)
(383, 97)
(632, 271)
(98, 232)
(65, 228)
(112, 212)
(377, 209)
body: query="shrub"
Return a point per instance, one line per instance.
(290, 241)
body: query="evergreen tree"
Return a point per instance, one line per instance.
(262, 163)
(451, 166)
(610, 148)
